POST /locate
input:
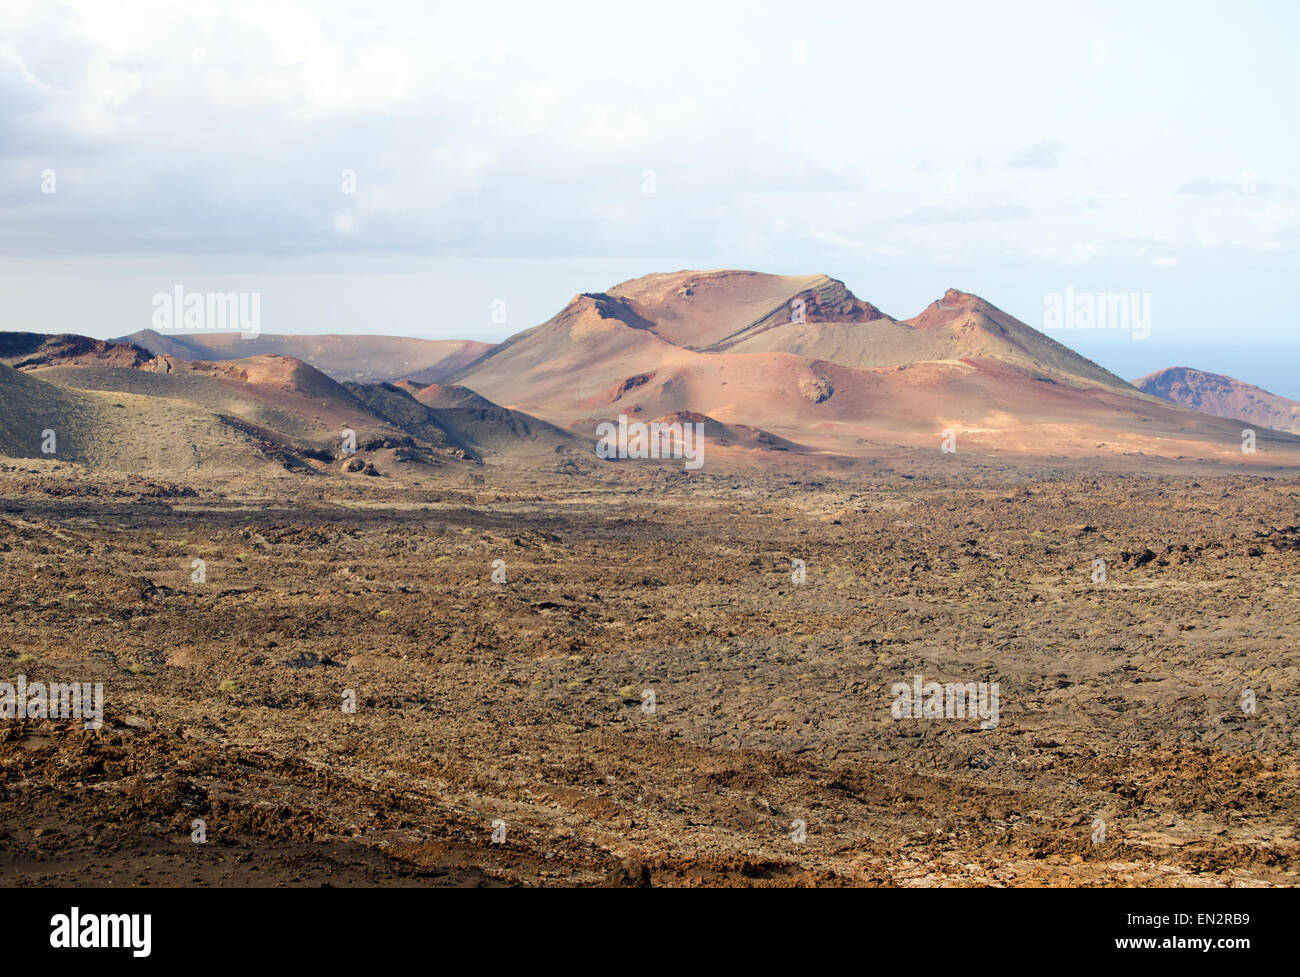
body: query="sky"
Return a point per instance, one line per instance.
(461, 170)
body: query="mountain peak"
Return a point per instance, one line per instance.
(715, 310)
(954, 299)
(954, 306)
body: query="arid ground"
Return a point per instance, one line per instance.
(1123, 754)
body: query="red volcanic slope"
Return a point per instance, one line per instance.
(802, 359)
(1222, 396)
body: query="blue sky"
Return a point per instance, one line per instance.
(504, 152)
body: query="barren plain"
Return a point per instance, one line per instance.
(502, 732)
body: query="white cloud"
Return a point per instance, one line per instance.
(517, 131)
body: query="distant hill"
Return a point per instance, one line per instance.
(24, 350)
(1222, 396)
(774, 366)
(492, 428)
(809, 365)
(362, 359)
(117, 406)
(98, 421)
(395, 404)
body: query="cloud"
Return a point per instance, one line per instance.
(1207, 187)
(1043, 155)
(965, 215)
(204, 129)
